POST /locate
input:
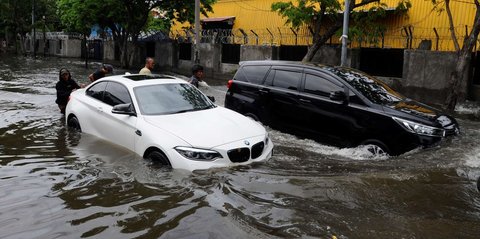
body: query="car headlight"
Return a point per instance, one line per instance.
(420, 129)
(198, 154)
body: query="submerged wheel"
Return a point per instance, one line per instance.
(73, 123)
(255, 118)
(158, 158)
(252, 116)
(376, 147)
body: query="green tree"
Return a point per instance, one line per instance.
(323, 17)
(126, 18)
(458, 79)
(16, 19)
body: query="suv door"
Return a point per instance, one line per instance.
(246, 94)
(326, 118)
(282, 97)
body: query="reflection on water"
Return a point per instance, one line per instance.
(55, 183)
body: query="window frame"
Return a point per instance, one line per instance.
(94, 85)
(273, 70)
(122, 86)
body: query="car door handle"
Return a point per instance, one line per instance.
(138, 132)
(265, 91)
(99, 109)
(305, 101)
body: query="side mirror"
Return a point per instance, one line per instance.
(338, 96)
(124, 109)
(212, 98)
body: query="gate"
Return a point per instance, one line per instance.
(476, 68)
(94, 50)
(292, 53)
(382, 62)
(185, 51)
(231, 53)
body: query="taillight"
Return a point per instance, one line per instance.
(229, 84)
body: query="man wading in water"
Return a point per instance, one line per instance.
(64, 87)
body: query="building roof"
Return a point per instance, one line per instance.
(218, 19)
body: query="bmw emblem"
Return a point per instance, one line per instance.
(246, 142)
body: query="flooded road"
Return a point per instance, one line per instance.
(55, 183)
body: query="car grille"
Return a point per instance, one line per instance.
(257, 150)
(239, 155)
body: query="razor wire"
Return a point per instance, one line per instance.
(407, 37)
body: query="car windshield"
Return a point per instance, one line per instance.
(374, 89)
(170, 99)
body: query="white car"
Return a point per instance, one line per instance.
(167, 120)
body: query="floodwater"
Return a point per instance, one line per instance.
(55, 183)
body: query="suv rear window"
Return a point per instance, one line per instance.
(252, 74)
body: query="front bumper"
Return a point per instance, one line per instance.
(178, 161)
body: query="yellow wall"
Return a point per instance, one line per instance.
(256, 15)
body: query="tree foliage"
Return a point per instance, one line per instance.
(16, 19)
(324, 19)
(126, 18)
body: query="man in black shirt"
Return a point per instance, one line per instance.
(65, 86)
(105, 69)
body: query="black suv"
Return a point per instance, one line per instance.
(335, 105)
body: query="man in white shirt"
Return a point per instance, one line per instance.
(149, 64)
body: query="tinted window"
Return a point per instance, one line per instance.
(372, 88)
(286, 79)
(96, 91)
(115, 94)
(319, 86)
(255, 74)
(170, 99)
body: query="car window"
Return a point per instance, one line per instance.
(286, 79)
(115, 94)
(370, 87)
(320, 86)
(96, 91)
(254, 74)
(170, 99)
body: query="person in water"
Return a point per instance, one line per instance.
(100, 73)
(64, 87)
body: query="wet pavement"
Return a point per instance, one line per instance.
(55, 183)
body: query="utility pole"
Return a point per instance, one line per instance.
(346, 14)
(44, 37)
(33, 25)
(197, 31)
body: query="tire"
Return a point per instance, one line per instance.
(252, 116)
(376, 147)
(158, 158)
(74, 124)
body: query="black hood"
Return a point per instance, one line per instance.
(414, 110)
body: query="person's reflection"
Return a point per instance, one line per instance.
(65, 139)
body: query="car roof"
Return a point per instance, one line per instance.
(280, 62)
(317, 66)
(134, 80)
